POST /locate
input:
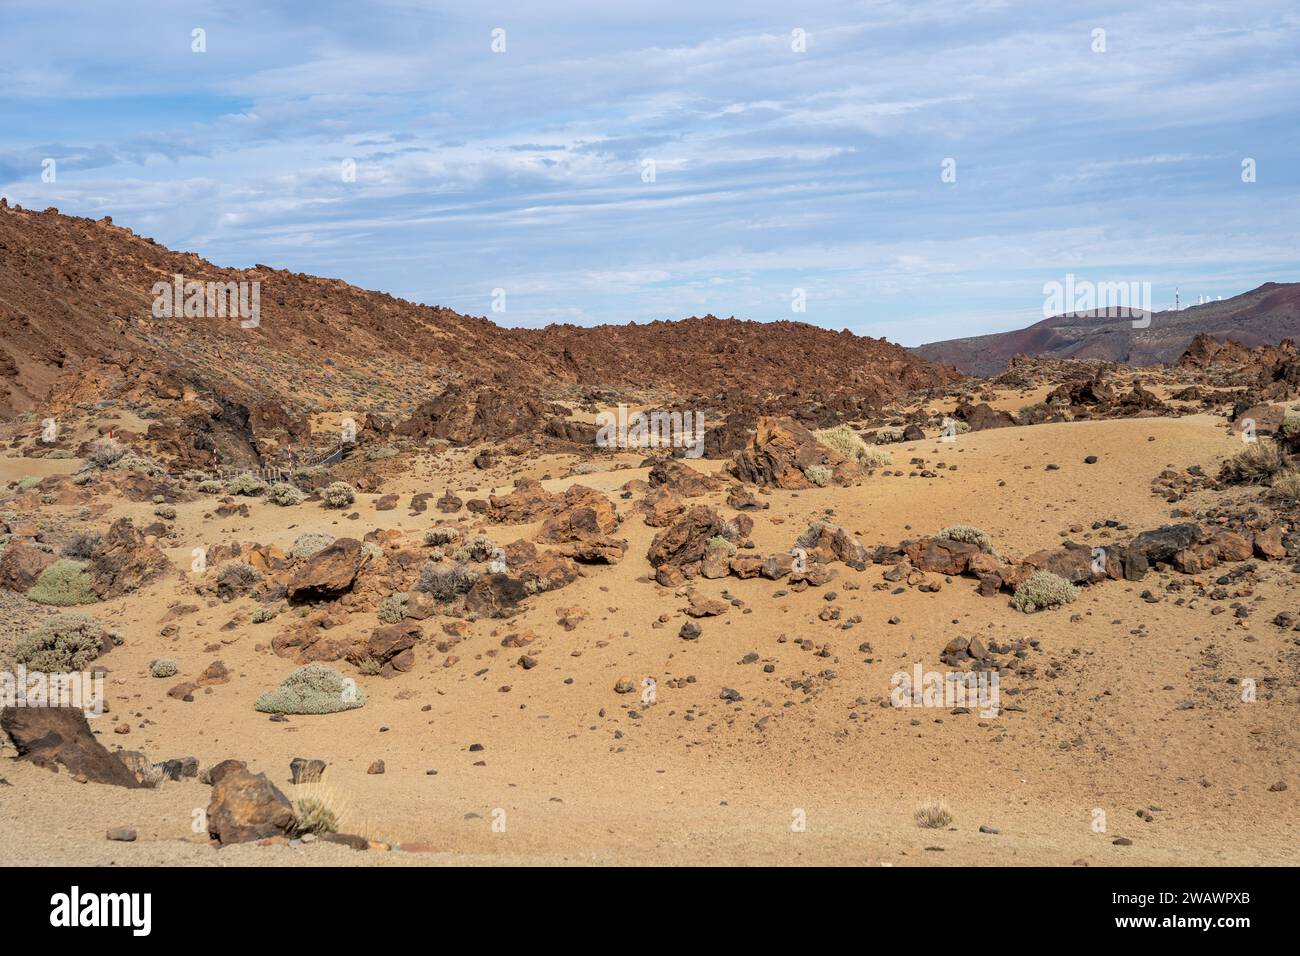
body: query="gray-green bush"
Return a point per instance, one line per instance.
(314, 689)
(61, 644)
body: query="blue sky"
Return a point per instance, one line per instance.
(774, 169)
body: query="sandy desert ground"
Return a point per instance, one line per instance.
(1133, 710)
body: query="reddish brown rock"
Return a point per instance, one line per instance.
(661, 508)
(777, 566)
(21, 564)
(686, 540)
(1074, 562)
(329, 573)
(1265, 419)
(742, 499)
(681, 479)
(214, 673)
(389, 647)
(1268, 544)
(982, 416)
(496, 595)
(528, 502)
(312, 638)
(54, 737)
(716, 563)
(580, 514)
(941, 555)
(123, 561)
(778, 453)
(246, 807)
(825, 542)
(1230, 546)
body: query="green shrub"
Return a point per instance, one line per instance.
(819, 475)
(1290, 427)
(163, 667)
(64, 583)
(314, 689)
(338, 494)
(26, 484)
(392, 610)
(211, 487)
(166, 512)
(246, 484)
(306, 545)
(61, 644)
(964, 532)
(1043, 589)
(720, 543)
(379, 454)
(285, 495)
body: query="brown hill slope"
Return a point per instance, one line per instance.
(75, 310)
(1263, 316)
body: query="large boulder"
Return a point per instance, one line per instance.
(1161, 544)
(467, 414)
(329, 573)
(389, 647)
(940, 555)
(1092, 391)
(826, 542)
(1265, 419)
(123, 561)
(496, 595)
(21, 564)
(529, 501)
(982, 416)
(660, 507)
(246, 806)
(1074, 562)
(686, 540)
(681, 479)
(580, 514)
(779, 453)
(53, 737)
(582, 525)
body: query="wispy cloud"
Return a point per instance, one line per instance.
(619, 163)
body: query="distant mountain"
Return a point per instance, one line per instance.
(1263, 316)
